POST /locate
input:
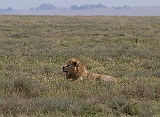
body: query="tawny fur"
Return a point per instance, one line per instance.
(76, 71)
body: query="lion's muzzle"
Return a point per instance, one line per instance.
(65, 69)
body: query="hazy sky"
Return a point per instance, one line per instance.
(26, 4)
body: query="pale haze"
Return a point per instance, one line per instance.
(27, 4)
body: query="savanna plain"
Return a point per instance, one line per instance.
(33, 50)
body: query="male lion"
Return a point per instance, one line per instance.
(75, 70)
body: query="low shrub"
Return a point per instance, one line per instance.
(24, 87)
(121, 105)
(16, 106)
(145, 109)
(28, 88)
(48, 105)
(141, 89)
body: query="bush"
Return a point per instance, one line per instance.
(16, 106)
(121, 105)
(24, 87)
(48, 105)
(145, 110)
(29, 88)
(141, 89)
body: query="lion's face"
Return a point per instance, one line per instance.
(74, 69)
(70, 66)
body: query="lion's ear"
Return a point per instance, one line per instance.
(74, 63)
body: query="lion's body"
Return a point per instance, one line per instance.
(76, 71)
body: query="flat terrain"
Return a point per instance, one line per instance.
(33, 50)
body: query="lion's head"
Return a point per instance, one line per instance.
(74, 69)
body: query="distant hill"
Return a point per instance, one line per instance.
(86, 9)
(8, 9)
(87, 6)
(46, 7)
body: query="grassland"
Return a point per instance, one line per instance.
(33, 50)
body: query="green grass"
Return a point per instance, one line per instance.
(33, 50)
